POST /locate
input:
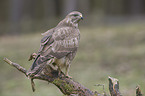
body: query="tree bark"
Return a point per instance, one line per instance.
(66, 85)
(114, 86)
(138, 91)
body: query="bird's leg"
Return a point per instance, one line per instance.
(59, 70)
(32, 56)
(67, 70)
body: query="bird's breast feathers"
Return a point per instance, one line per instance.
(65, 38)
(65, 32)
(60, 61)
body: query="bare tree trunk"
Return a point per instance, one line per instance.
(68, 6)
(16, 15)
(136, 6)
(49, 8)
(84, 6)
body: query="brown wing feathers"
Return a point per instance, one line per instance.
(59, 41)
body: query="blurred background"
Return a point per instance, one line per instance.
(112, 43)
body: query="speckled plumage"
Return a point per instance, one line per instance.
(59, 44)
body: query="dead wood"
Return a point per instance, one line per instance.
(66, 85)
(138, 91)
(114, 86)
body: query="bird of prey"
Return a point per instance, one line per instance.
(59, 45)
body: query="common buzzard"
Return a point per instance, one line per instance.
(59, 45)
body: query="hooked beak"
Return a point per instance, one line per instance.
(81, 17)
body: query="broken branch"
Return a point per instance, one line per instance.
(17, 66)
(114, 86)
(67, 85)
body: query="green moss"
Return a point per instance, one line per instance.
(63, 84)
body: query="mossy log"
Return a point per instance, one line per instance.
(67, 85)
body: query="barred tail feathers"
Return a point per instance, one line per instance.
(38, 64)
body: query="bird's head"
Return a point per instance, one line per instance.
(75, 16)
(71, 19)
